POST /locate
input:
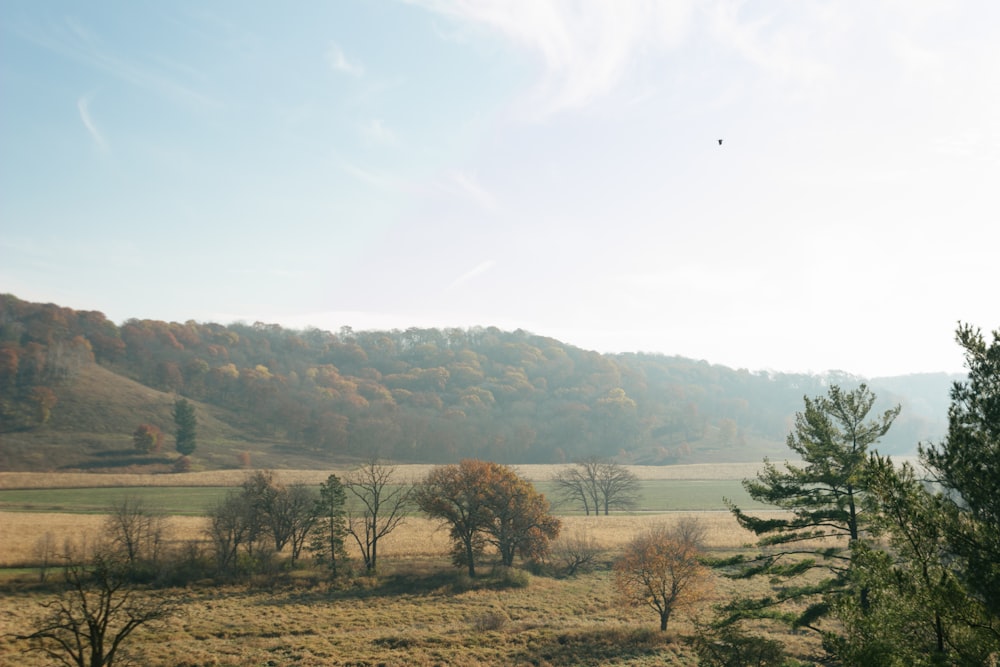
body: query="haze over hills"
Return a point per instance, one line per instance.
(75, 386)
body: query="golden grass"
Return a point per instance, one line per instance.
(410, 472)
(551, 622)
(417, 618)
(419, 621)
(417, 537)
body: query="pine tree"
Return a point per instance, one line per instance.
(967, 467)
(933, 573)
(823, 495)
(913, 595)
(187, 423)
(327, 543)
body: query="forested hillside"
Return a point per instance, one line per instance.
(424, 395)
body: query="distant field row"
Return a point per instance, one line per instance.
(656, 496)
(534, 472)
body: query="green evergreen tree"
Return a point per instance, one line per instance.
(187, 423)
(932, 576)
(330, 529)
(914, 597)
(823, 496)
(967, 467)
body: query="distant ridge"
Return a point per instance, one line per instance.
(308, 399)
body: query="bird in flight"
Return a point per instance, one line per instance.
(720, 142)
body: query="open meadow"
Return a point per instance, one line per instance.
(69, 506)
(420, 610)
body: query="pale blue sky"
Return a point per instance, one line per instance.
(551, 166)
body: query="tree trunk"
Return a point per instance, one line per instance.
(470, 556)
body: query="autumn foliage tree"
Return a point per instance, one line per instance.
(44, 400)
(418, 394)
(147, 438)
(661, 568)
(520, 523)
(488, 503)
(452, 494)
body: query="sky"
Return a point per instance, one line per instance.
(552, 166)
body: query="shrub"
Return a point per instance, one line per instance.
(509, 577)
(490, 621)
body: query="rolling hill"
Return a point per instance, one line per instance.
(75, 386)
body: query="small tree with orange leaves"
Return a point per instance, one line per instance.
(661, 568)
(147, 438)
(488, 503)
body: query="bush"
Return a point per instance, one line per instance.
(509, 577)
(183, 464)
(187, 565)
(490, 621)
(576, 553)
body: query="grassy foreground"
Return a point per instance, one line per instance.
(421, 616)
(420, 610)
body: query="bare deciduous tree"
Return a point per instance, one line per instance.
(257, 495)
(135, 532)
(576, 552)
(44, 552)
(89, 622)
(228, 529)
(292, 516)
(599, 485)
(379, 504)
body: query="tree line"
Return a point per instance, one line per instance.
(415, 395)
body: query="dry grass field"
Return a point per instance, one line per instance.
(420, 619)
(420, 610)
(22, 532)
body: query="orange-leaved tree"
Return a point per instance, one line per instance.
(519, 521)
(147, 438)
(452, 493)
(661, 568)
(488, 503)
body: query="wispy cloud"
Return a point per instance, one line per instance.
(790, 51)
(378, 179)
(467, 185)
(83, 105)
(586, 49)
(74, 40)
(339, 61)
(475, 272)
(376, 131)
